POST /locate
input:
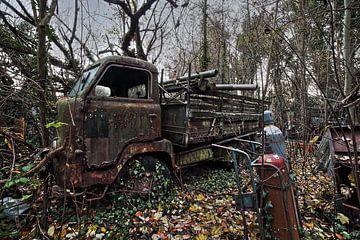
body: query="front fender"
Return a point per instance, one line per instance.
(88, 177)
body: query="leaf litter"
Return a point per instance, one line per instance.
(203, 209)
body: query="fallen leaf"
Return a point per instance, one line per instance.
(158, 215)
(200, 197)
(339, 236)
(352, 180)
(91, 230)
(342, 218)
(70, 235)
(8, 143)
(216, 231)
(201, 237)
(51, 231)
(309, 225)
(155, 236)
(138, 214)
(197, 228)
(99, 236)
(194, 208)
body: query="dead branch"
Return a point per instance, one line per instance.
(134, 22)
(26, 18)
(51, 155)
(14, 136)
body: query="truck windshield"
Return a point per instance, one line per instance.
(83, 81)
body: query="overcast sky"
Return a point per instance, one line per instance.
(97, 18)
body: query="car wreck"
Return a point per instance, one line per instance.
(118, 111)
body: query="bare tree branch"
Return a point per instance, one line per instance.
(17, 12)
(51, 155)
(44, 21)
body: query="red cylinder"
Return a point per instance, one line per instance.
(275, 177)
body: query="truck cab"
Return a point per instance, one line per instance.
(111, 115)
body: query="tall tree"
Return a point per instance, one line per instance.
(347, 52)
(41, 59)
(204, 60)
(347, 47)
(42, 16)
(134, 13)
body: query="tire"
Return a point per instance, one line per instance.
(146, 176)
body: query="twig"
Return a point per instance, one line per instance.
(16, 138)
(352, 103)
(44, 218)
(41, 230)
(14, 157)
(45, 160)
(100, 196)
(76, 207)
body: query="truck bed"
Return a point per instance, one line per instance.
(205, 117)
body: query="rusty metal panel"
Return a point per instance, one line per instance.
(339, 140)
(96, 125)
(334, 157)
(209, 116)
(71, 172)
(69, 112)
(114, 124)
(279, 192)
(174, 123)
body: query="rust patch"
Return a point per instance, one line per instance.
(114, 125)
(70, 171)
(339, 140)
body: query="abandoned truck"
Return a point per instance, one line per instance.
(117, 112)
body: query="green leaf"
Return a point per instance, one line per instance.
(346, 235)
(51, 231)
(264, 194)
(27, 168)
(342, 218)
(23, 180)
(55, 124)
(25, 197)
(9, 183)
(268, 205)
(15, 181)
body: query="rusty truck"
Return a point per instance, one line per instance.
(119, 111)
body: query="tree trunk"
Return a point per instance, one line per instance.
(205, 50)
(42, 72)
(303, 81)
(347, 56)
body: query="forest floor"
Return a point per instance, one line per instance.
(204, 208)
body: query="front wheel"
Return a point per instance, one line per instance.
(146, 176)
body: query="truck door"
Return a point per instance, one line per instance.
(120, 109)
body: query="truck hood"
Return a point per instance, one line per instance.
(70, 113)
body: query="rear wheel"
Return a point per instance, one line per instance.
(146, 176)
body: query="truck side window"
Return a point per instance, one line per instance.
(126, 82)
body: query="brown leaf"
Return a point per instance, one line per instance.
(200, 197)
(338, 236)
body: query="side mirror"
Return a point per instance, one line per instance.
(102, 91)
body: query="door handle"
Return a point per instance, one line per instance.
(152, 115)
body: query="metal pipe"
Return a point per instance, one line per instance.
(204, 74)
(244, 87)
(237, 177)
